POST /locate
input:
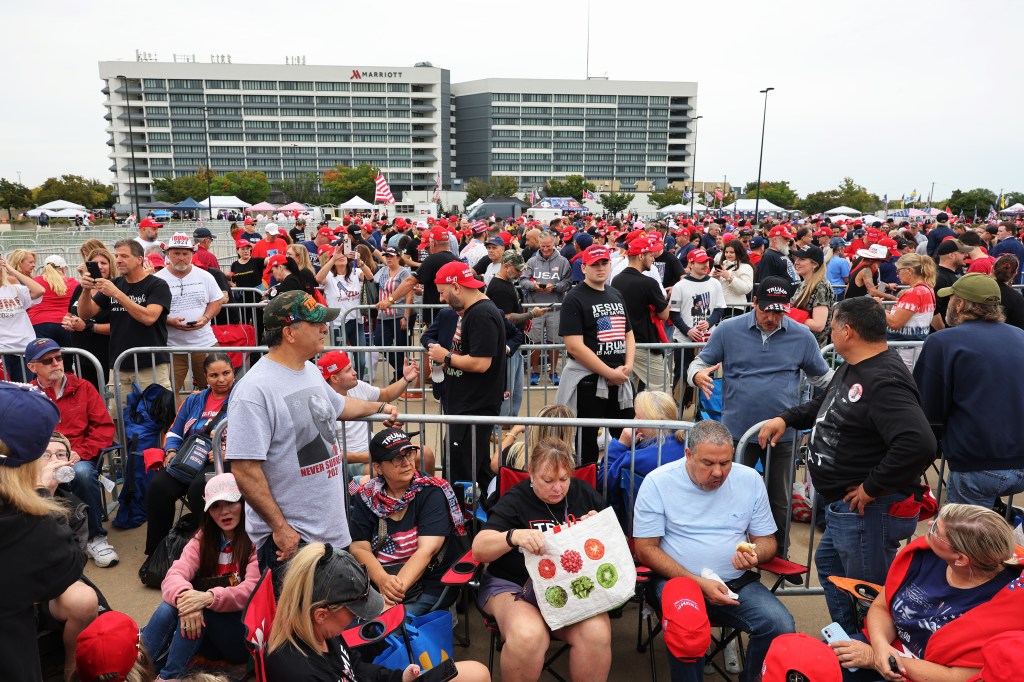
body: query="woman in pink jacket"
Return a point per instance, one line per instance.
(207, 588)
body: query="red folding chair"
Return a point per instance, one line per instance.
(258, 619)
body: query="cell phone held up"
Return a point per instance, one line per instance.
(442, 672)
(94, 269)
(834, 632)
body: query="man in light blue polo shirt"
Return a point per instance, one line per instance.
(761, 354)
(691, 515)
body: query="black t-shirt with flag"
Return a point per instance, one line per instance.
(600, 318)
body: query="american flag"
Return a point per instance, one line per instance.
(587, 194)
(383, 191)
(718, 194)
(437, 189)
(611, 328)
(399, 546)
(708, 197)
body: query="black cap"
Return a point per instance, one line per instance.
(340, 579)
(810, 252)
(388, 444)
(942, 218)
(951, 246)
(203, 233)
(773, 294)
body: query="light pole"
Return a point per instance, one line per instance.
(760, 158)
(209, 169)
(693, 168)
(131, 146)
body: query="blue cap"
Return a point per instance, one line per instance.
(583, 240)
(203, 233)
(37, 348)
(837, 243)
(758, 242)
(495, 241)
(27, 418)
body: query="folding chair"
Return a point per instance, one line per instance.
(374, 631)
(861, 594)
(110, 464)
(258, 619)
(465, 573)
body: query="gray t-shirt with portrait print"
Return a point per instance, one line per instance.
(286, 419)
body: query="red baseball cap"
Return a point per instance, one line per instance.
(156, 260)
(891, 245)
(568, 232)
(478, 226)
(277, 259)
(459, 273)
(803, 654)
(325, 232)
(326, 248)
(641, 244)
(780, 231)
(243, 244)
(595, 253)
(728, 236)
(108, 646)
(438, 234)
(698, 256)
(430, 220)
(332, 362)
(685, 619)
(149, 222)
(823, 232)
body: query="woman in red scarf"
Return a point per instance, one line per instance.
(946, 594)
(401, 520)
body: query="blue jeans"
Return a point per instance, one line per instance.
(513, 386)
(172, 653)
(760, 614)
(86, 487)
(391, 333)
(16, 370)
(429, 600)
(861, 547)
(983, 487)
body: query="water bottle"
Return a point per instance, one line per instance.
(436, 373)
(64, 474)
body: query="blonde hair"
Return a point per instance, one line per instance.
(300, 254)
(104, 253)
(655, 405)
(809, 285)
(553, 453)
(564, 431)
(55, 278)
(294, 619)
(981, 534)
(16, 257)
(89, 246)
(18, 488)
(923, 266)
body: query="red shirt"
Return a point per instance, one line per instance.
(982, 265)
(206, 260)
(265, 249)
(51, 307)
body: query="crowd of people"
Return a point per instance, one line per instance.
(915, 314)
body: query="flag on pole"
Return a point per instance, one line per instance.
(1001, 202)
(587, 194)
(913, 196)
(437, 188)
(885, 201)
(903, 201)
(383, 193)
(708, 198)
(992, 215)
(949, 211)
(687, 195)
(718, 194)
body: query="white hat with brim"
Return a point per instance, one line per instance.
(874, 252)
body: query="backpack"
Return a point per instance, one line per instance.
(147, 415)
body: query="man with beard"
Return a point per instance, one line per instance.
(195, 301)
(474, 370)
(773, 262)
(282, 443)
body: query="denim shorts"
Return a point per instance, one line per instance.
(491, 586)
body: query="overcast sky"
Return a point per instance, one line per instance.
(895, 93)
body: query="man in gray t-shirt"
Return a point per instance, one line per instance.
(281, 439)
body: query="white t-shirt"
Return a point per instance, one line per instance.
(490, 272)
(15, 326)
(357, 432)
(474, 251)
(146, 245)
(695, 301)
(343, 292)
(189, 297)
(623, 263)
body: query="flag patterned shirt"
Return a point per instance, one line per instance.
(920, 301)
(387, 286)
(600, 318)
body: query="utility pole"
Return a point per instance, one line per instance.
(760, 158)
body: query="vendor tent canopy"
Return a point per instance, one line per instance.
(262, 206)
(223, 202)
(36, 212)
(294, 206)
(911, 213)
(1016, 209)
(683, 208)
(357, 203)
(70, 213)
(747, 206)
(152, 205)
(843, 210)
(189, 204)
(60, 205)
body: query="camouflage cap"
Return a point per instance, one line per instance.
(513, 258)
(296, 306)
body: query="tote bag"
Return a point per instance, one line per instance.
(586, 569)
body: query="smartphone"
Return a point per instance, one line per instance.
(893, 665)
(192, 323)
(446, 670)
(94, 269)
(834, 632)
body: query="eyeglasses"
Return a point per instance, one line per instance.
(53, 360)
(933, 533)
(47, 456)
(405, 456)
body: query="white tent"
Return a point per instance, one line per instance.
(843, 210)
(36, 212)
(841, 216)
(357, 203)
(70, 213)
(683, 208)
(474, 205)
(60, 205)
(747, 206)
(224, 202)
(1013, 210)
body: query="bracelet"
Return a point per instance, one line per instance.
(508, 537)
(381, 408)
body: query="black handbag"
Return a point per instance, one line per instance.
(195, 451)
(154, 570)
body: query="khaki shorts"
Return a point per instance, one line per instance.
(181, 370)
(649, 368)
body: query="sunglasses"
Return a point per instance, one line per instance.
(50, 361)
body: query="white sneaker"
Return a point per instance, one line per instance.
(100, 551)
(732, 656)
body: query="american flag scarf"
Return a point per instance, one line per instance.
(373, 493)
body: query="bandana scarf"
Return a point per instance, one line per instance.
(383, 505)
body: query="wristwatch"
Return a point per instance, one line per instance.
(447, 362)
(391, 299)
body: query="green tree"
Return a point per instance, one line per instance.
(1013, 198)
(90, 193)
(572, 186)
(341, 183)
(975, 199)
(778, 192)
(819, 202)
(250, 186)
(494, 186)
(616, 202)
(14, 195)
(849, 193)
(183, 187)
(666, 197)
